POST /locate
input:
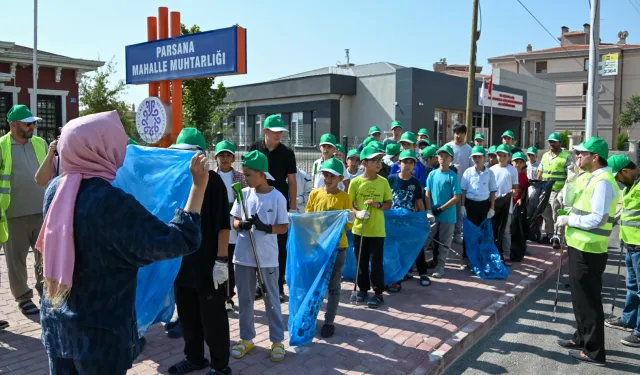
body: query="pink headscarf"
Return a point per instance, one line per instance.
(89, 146)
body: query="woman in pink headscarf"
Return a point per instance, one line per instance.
(94, 239)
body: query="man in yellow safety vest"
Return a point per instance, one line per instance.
(589, 226)
(556, 165)
(21, 203)
(627, 174)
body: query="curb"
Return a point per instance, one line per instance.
(461, 340)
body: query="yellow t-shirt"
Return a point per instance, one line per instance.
(378, 190)
(319, 200)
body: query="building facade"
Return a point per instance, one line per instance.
(58, 79)
(567, 68)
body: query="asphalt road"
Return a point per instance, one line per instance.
(525, 342)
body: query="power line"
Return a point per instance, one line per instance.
(634, 5)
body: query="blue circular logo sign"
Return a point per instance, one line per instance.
(151, 119)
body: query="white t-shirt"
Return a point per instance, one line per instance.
(271, 208)
(318, 181)
(505, 179)
(352, 176)
(462, 156)
(532, 170)
(227, 178)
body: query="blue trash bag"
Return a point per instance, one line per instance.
(482, 251)
(160, 180)
(311, 253)
(407, 233)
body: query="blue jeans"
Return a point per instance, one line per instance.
(630, 315)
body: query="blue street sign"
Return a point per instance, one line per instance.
(210, 53)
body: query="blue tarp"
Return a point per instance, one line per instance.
(482, 251)
(311, 248)
(407, 233)
(160, 180)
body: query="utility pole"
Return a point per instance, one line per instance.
(34, 96)
(471, 83)
(594, 67)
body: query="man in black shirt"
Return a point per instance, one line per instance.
(199, 286)
(282, 167)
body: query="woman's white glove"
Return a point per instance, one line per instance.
(363, 214)
(490, 214)
(220, 274)
(351, 217)
(430, 217)
(562, 221)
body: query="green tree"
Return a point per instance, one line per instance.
(203, 105)
(631, 113)
(564, 138)
(98, 94)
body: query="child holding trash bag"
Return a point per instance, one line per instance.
(331, 198)
(370, 195)
(443, 193)
(479, 188)
(258, 223)
(507, 183)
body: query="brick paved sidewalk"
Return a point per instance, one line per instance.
(417, 331)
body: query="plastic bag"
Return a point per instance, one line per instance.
(160, 180)
(311, 253)
(407, 233)
(482, 251)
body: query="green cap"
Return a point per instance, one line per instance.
(509, 134)
(20, 112)
(479, 136)
(275, 124)
(594, 145)
(618, 162)
(409, 137)
(132, 142)
(225, 146)
(374, 129)
(370, 152)
(256, 160)
(492, 150)
(407, 154)
(333, 166)
(504, 149)
(519, 155)
(328, 139)
(532, 150)
(340, 148)
(190, 138)
(554, 137)
(429, 152)
(368, 140)
(447, 149)
(352, 153)
(378, 145)
(396, 124)
(478, 150)
(424, 141)
(393, 149)
(423, 131)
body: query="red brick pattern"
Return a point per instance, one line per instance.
(417, 331)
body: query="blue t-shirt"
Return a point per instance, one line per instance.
(405, 192)
(443, 186)
(419, 172)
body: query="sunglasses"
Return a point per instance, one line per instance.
(583, 153)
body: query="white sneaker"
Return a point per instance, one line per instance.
(438, 273)
(458, 239)
(228, 305)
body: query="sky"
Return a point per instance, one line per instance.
(285, 37)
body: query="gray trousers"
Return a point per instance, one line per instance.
(550, 213)
(23, 234)
(246, 279)
(333, 294)
(445, 231)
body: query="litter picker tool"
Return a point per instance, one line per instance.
(557, 243)
(354, 293)
(615, 290)
(237, 189)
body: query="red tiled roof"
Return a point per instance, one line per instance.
(574, 47)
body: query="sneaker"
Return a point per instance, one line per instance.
(228, 305)
(617, 324)
(394, 288)
(176, 332)
(424, 280)
(458, 239)
(4, 324)
(327, 330)
(171, 325)
(438, 273)
(631, 340)
(226, 371)
(185, 367)
(361, 296)
(508, 263)
(375, 301)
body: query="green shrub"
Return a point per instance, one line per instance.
(621, 139)
(564, 138)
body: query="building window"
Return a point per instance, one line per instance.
(50, 110)
(585, 88)
(584, 113)
(541, 67)
(586, 64)
(5, 104)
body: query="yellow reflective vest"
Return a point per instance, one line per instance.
(554, 170)
(630, 216)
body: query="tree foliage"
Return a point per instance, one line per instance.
(564, 138)
(97, 94)
(203, 105)
(631, 113)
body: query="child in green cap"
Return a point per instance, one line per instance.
(327, 150)
(354, 167)
(339, 152)
(371, 195)
(266, 218)
(330, 198)
(533, 165)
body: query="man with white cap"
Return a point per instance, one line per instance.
(21, 203)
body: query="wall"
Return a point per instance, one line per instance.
(372, 105)
(509, 66)
(630, 84)
(564, 65)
